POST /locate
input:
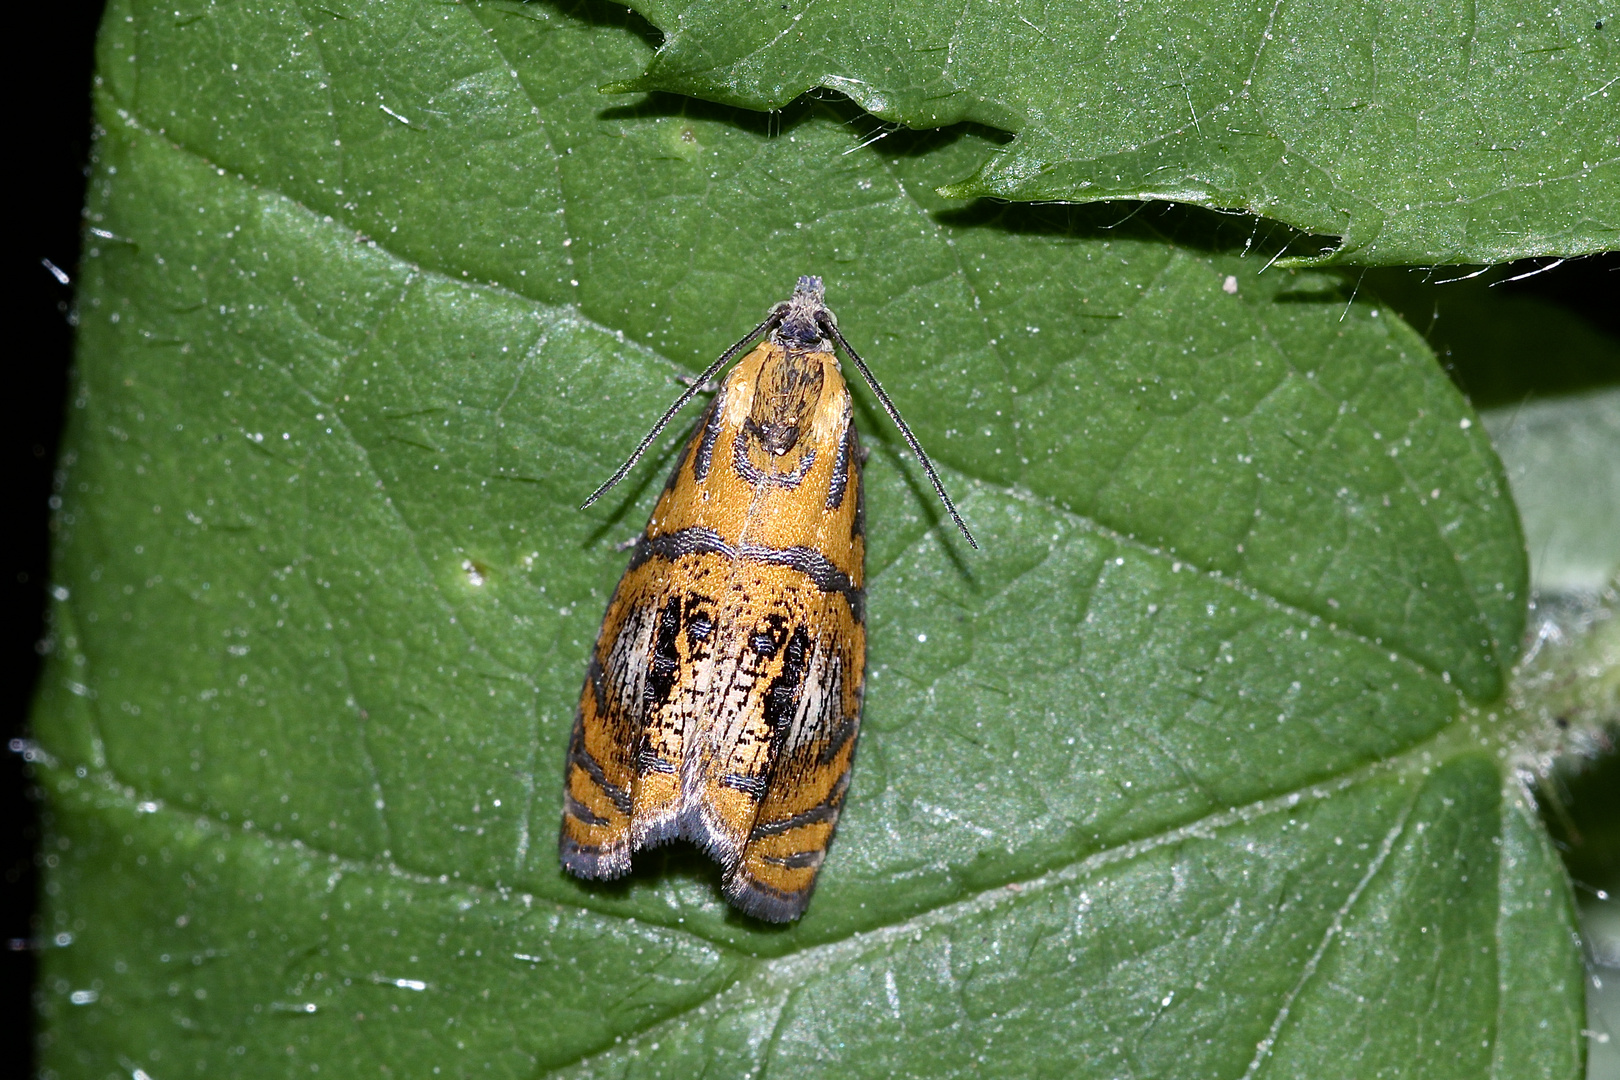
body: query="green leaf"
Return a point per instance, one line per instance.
(1417, 133)
(1198, 766)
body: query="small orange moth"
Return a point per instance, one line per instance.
(724, 693)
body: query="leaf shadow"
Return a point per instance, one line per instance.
(1210, 231)
(663, 105)
(898, 141)
(592, 13)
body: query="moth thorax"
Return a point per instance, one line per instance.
(786, 397)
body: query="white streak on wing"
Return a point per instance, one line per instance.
(631, 659)
(820, 700)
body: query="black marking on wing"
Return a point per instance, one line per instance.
(666, 658)
(782, 696)
(704, 458)
(581, 811)
(687, 443)
(593, 862)
(647, 760)
(847, 727)
(767, 639)
(798, 860)
(754, 475)
(841, 463)
(699, 620)
(752, 786)
(826, 810)
(697, 540)
(813, 565)
(578, 755)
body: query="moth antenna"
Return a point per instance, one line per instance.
(771, 322)
(827, 324)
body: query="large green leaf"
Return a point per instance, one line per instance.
(1417, 132)
(1196, 769)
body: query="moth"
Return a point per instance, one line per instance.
(723, 696)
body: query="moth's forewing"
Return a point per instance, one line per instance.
(724, 694)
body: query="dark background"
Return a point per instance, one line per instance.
(51, 63)
(53, 54)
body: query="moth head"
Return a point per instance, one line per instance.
(801, 325)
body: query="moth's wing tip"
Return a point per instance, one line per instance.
(594, 863)
(763, 902)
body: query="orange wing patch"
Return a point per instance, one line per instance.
(723, 697)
